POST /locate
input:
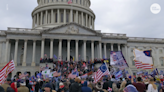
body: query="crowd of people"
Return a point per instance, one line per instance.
(82, 84)
(106, 84)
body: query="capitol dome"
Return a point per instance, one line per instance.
(52, 13)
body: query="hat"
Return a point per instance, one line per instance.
(23, 83)
(48, 85)
(60, 84)
(39, 79)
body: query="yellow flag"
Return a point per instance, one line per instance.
(73, 58)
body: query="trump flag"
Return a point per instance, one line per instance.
(117, 59)
(143, 59)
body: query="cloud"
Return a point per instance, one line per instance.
(131, 17)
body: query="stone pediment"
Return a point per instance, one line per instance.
(71, 28)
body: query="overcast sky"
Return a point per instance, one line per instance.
(132, 17)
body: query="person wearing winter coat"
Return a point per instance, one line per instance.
(85, 88)
(76, 86)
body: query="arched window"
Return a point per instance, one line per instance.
(132, 59)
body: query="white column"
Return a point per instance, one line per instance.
(25, 52)
(76, 16)
(16, 52)
(58, 17)
(7, 46)
(68, 50)
(105, 50)
(52, 16)
(82, 20)
(71, 12)
(92, 49)
(119, 49)
(100, 50)
(41, 18)
(51, 49)
(42, 49)
(64, 16)
(111, 46)
(37, 19)
(84, 50)
(33, 22)
(86, 20)
(89, 21)
(60, 50)
(46, 17)
(77, 50)
(33, 53)
(93, 24)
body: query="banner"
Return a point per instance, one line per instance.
(117, 59)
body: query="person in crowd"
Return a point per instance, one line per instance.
(61, 87)
(48, 88)
(6, 85)
(158, 84)
(98, 87)
(128, 80)
(66, 84)
(14, 86)
(76, 86)
(1, 89)
(130, 88)
(152, 87)
(28, 85)
(38, 85)
(23, 87)
(139, 85)
(122, 86)
(46, 82)
(106, 84)
(85, 88)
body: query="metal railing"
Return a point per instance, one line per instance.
(145, 39)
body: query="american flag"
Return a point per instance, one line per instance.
(56, 74)
(23, 75)
(70, 1)
(143, 59)
(142, 66)
(103, 70)
(6, 70)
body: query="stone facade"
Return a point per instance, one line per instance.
(71, 38)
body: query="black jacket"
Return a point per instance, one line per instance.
(106, 85)
(75, 87)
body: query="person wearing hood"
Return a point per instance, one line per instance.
(85, 88)
(14, 86)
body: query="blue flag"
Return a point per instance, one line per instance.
(55, 57)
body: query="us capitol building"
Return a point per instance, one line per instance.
(67, 30)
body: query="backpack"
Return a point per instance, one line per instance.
(9, 89)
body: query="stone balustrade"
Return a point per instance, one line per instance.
(21, 29)
(113, 35)
(145, 39)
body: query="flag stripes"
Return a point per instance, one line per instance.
(142, 66)
(6, 70)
